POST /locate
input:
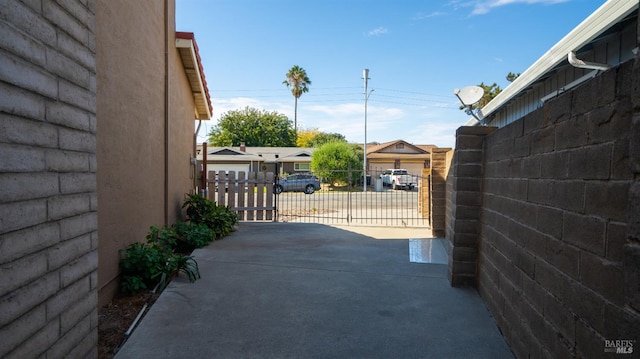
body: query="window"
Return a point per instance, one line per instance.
(301, 167)
(399, 145)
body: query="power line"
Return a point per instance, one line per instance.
(347, 96)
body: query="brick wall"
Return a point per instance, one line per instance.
(439, 169)
(48, 237)
(558, 239)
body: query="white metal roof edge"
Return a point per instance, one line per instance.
(599, 21)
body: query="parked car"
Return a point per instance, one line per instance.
(398, 178)
(306, 183)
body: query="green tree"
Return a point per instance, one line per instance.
(490, 91)
(512, 77)
(305, 136)
(299, 82)
(326, 137)
(253, 127)
(333, 161)
(312, 137)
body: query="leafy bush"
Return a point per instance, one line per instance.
(188, 266)
(163, 255)
(220, 219)
(165, 237)
(191, 235)
(144, 264)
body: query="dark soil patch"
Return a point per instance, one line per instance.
(115, 318)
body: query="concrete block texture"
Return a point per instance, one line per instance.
(559, 220)
(48, 215)
(17, 130)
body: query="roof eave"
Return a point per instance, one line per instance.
(599, 21)
(188, 49)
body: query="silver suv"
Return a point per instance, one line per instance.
(306, 183)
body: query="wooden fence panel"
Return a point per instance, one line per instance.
(242, 185)
(249, 194)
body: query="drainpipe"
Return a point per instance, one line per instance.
(166, 113)
(576, 62)
(194, 158)
(204, 167)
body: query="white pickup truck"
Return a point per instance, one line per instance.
(398, 178)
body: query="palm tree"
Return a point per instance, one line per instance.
(298, 80)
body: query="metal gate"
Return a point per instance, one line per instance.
(348, 203)
(253, 197)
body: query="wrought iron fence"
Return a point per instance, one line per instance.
(336, 200)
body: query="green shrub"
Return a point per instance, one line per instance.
(220, 219)
(191, 235)
(165, 237)
(131, 284)
(142, 265)
(188, 266)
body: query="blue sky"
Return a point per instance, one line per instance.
(417, 52)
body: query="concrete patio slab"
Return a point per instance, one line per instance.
(289, 290)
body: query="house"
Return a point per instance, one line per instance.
(150, 89)
(607, 38)
(542, 195)
(98, 106)
(281, 160)
(398, 154)
(381, 156)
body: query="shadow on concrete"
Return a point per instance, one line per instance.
(289, 290)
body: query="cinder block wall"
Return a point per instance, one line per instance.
(48, 238)
(463, 202)
(558, 255)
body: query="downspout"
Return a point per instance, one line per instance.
(576, 62)
(166, 113)
(194, 160)
(204, 168)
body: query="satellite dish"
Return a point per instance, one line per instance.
(469, 95)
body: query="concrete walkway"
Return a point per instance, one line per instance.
(293, 290)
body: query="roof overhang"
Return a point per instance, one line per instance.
(597, 23)
(188, 49)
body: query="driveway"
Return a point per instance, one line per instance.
(302, 290)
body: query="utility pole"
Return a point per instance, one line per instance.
(365, 76)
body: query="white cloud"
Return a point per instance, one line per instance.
(421, 16)
(484, 6)
(378, 31)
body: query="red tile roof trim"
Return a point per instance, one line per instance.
(191, 36)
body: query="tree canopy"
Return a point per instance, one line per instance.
(333, 161)
(312, 137)
(326, 137)
(305, 136)
(253, 127)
